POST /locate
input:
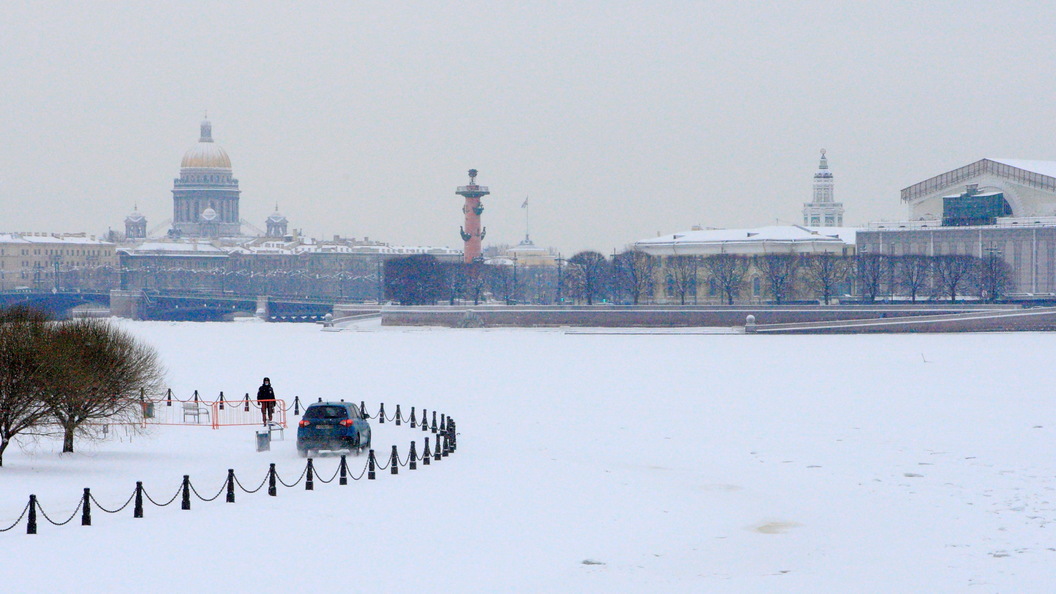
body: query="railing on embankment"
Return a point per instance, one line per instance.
(1039, 319)
(445, 433)
(656, 316)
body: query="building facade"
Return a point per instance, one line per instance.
(205, 196)
(57, 262)
(823, 210)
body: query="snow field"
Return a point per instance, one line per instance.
(674, 463)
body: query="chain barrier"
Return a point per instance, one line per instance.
(295, 483)
(336, 471)
(213, 498)
(68, 520)
(447, 434)
(169, 502)
(18, 521)
(259, 487)
(98, 505)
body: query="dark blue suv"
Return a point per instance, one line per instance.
(332, 426)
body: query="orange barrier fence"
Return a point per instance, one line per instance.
(215, 414)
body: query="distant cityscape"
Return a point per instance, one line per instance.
(986, 230)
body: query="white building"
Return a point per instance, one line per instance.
(823, 211)
(752, 242)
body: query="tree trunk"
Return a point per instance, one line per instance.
(67, 439)
(3, 446)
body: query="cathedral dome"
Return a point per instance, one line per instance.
(206, 154)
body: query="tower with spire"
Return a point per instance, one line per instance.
(823, 211)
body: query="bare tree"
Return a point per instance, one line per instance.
(824, 272)
(588, 272)
(476, 280)
(633, 273)
(683, 271)
(870, 270)
(953, 271)
(779, 270)
(22, 334)
(729, 271)
(994, 277)
(98, 373)
(912, 273)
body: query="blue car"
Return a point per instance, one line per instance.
(332, 426)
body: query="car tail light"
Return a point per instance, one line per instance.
(346, 423)
(304, 423)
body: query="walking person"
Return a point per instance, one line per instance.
(266, 400)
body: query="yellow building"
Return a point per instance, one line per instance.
(56, 261)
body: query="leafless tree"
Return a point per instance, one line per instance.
(779, 270)
(633, 273)
(953, 271)
(870, 270)
(97, 374)
(476, 281)
(994, 277)
(729, 271)
(22, 334)
(824, 272)
(587, 275)
(912, 273)
(683, 271)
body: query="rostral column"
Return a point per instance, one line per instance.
(472, 232)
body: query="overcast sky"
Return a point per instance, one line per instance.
(617, 120)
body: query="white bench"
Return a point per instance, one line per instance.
(194, 410)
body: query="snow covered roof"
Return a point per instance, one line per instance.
(1043, 167)
(49, 238)
(177, 248)
(750, 241)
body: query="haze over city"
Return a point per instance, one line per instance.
(617, 121)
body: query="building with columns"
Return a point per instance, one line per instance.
(205, 195)
(823, 210)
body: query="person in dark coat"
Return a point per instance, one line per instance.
(266, 400)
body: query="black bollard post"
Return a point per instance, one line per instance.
(309, 483)
(433, 428)
(426, 455)
(196, 395)
(381, 413)
(31, 526)
(425, 420)
(221, 400)
(413, 425)
(452, 433)
(398, 414)
(413, 464)
(168, 397)
(394, 462)
(343, 470)
(271, 480)
(436, 455)
(370, 465)
(296, 405)
(86, 508)
(186, 503)
(230, 485)
(446, 449)
(137, 511)
(443, 423)
(246, 409)
(363, 409)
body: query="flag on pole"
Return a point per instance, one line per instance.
(525, 203)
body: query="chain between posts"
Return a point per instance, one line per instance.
(445, 433)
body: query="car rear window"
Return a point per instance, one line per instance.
(326, 412)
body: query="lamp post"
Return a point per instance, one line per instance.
(560, 265)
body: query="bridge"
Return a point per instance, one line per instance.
(170, 305)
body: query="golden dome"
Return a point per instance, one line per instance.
(206, 154)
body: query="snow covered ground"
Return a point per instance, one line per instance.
(587, 462)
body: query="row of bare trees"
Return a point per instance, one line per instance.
(69, 377)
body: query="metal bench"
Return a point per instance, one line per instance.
(194, 410)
